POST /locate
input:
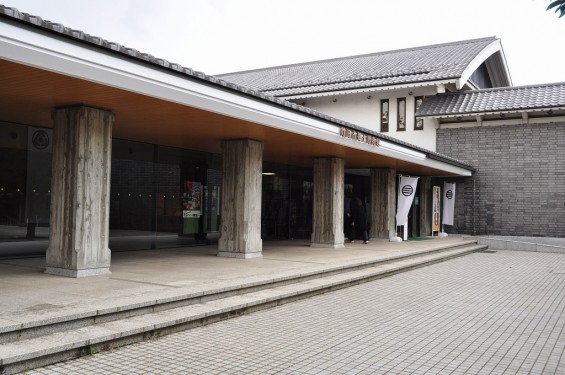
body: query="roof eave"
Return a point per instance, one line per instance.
(370, 89)
(492, 112)
(48, 49)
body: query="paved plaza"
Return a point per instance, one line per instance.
(487, 313)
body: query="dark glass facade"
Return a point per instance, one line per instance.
(25, 182)
(286, 210)
(159, 196)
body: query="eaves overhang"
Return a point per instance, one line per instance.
(72, 53)
(549, 111)
(375, 89)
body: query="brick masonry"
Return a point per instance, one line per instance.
(519, 186)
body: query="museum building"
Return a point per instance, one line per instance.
(103, 148)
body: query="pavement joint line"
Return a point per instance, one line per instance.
(145, 282)
(291, 261)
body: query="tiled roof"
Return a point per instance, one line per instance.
(430, 63)
(80, 36)
(505, 99)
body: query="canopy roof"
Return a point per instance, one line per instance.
(46, 65)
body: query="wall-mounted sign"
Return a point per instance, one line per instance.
(359, 136)
(40, 139)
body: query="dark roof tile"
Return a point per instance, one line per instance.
(505, 99)
(421, 64)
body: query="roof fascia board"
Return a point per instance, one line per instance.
(488, 51)
(370, 89)
(72, 59)
(486, 113)
(44, 51)
(500, 122)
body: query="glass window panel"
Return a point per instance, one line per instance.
(418, 122)
(384, 115)
(401, 125)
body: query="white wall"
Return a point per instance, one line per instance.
(363, 109)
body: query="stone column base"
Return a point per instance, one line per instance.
(230, 254)
(77, 273)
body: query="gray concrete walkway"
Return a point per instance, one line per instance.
(485, 313)
(27, 294)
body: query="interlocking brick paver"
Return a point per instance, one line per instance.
(496, 313)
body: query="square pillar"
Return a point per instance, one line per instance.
(327, 216)
(383, 203)
(241, 199)
(80, 192)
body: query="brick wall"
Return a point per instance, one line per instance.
(519, 186)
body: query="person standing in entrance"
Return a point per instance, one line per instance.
(347, 215)
(359, 221)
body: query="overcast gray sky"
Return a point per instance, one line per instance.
(220, 36)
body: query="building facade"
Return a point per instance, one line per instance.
(515, 137)
(105, 148)
(457, 99)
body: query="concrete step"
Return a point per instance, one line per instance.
(37, 323)
(73, 336)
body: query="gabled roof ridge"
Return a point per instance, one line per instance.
(343, 58)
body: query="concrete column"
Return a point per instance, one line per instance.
(241, 199)
(383, 203)
(425, 206)
(327, 216)
(80, 192)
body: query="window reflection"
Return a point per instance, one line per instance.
(401, 114)
(384, 115)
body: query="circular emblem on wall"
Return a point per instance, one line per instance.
(449, 194)
(40, 139)
(407, 190)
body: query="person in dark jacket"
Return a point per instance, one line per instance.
(347, 203)
(359, 221)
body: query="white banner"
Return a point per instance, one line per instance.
(448, 202)
(406, 193)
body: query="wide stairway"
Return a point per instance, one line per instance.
(45, 338)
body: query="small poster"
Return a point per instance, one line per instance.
(436, 204)
(192, 199)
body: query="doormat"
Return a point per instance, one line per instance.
(419, 238)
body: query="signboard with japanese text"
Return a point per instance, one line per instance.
(436, 204)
